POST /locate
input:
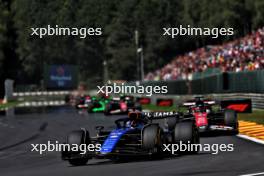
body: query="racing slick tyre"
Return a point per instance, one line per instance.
(187, 133)
(77, 106)
(78, 137)
(230, 119)
(170, 123)
(107, 110)
(90, 108)
(152, 138)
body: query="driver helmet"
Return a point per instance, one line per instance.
(134, 117)
(199, 103)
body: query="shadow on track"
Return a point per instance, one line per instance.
(217, 134)
(138, 159)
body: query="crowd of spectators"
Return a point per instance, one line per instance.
(242, 54)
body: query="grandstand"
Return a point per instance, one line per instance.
(242, 54)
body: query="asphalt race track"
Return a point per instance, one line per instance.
(19, 131)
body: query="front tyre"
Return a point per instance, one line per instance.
(152, 138)
(77, 138)
(90, 108)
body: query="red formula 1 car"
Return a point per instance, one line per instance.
(82, 101)
(208, 119)
(121, 105)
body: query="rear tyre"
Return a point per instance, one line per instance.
(152, 138)
(230, 119)
(107, 109)
(187, 133)
(78, 137)
(90, 108)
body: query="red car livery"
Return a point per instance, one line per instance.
(208, 118)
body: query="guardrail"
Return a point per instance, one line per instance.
(228, 82)
(41, 103)
(257, 99)
(40, 93)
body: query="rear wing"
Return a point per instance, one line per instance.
(239, 105)
(192, 103)
(164, 102)
(143, 100)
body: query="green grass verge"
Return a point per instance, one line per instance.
(9, 104)
(158, 108)
(256, 116)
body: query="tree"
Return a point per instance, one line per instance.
(118, 20)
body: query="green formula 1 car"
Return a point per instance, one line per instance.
(97, 104)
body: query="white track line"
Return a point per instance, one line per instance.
(254, 174)
(259, 141)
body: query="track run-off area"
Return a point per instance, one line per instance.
(19, 131)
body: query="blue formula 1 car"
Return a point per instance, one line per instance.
(135, 135)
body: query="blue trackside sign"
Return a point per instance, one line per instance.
(60, 76)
